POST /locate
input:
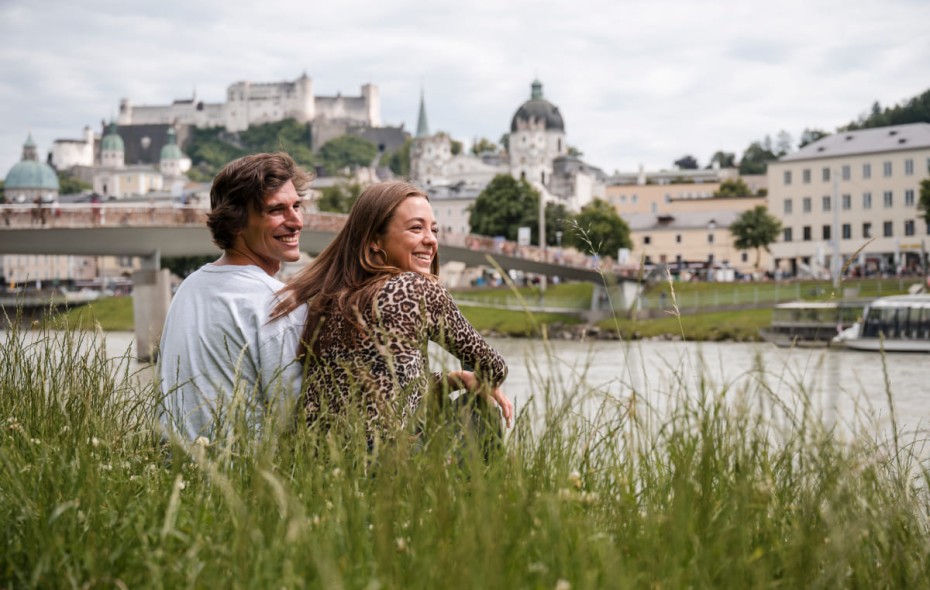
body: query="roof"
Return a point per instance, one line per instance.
(31, 174)
(540, 109)
(680, 221)
(865, 141)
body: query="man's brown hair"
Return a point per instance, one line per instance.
(242, 185)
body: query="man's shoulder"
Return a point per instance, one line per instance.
(233, 278)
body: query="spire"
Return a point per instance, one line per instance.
(537, 90)
(29, 149)
(422, 125)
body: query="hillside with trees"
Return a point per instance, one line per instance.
(915, 110)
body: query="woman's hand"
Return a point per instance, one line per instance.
(467, 380)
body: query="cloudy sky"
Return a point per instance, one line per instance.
(637, 81)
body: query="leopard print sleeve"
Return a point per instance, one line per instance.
(444, 324)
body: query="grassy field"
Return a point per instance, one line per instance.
(721, 489)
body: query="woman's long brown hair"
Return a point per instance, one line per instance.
(347, 274)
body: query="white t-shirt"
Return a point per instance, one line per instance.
(221, 357)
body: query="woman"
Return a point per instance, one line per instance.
(374, 304)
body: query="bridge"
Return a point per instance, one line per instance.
(150, 231)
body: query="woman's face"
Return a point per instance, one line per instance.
(409, 241)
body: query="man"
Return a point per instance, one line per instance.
(222, 360)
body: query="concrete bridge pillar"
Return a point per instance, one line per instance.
(151, 295)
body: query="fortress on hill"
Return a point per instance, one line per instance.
(249, 103)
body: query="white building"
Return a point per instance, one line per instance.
(251, 103)
(857, 191)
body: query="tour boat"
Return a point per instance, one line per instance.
(810, 323)
(900, 323)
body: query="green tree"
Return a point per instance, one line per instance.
(723, 159)
(455, 147)
(756, 158)
(2, 193)
(69, 185)
(574, 152)
(505, 142)
(598, 229)
(505, 205)
(185, 265)
(687, 162)
(339, 198)
(809, 136)
(914, 110)
(923, 204)
(399, 160)
(482, 145)
(755, 228)
(347, 151)
(733, 187)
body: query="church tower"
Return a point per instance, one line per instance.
(430, 155)
(112, 150)
(537, 137)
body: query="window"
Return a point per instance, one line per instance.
(866, 200)
(807, 233)
(677, 238)
(866, 230)
(887, 229)
(710, 238)
(647, 240)
(825, 232)
(888, 199)
(786, 234)
(634, 198)
(806, 204)
(847, 231)
(909, 197)
(825, 203)
(909, 227)
(847, 174)
(826, 175)
(806, 176)
(909, 167)
(787, 206)
(744, 257)
(886, 169)
(866, 171)
(654, 207)
(787, 177)
(847, 202)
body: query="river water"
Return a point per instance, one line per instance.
(847, 388)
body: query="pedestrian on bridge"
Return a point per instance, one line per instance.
(223, 361)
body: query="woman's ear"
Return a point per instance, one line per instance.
(374, 247)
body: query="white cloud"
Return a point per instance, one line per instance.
(641, 81)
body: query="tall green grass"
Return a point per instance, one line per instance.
(684, 486)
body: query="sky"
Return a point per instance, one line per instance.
(638, 83)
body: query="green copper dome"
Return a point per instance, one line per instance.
(30, 173)
(171, 151)
(112, 142)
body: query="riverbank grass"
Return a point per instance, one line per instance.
(681, 486)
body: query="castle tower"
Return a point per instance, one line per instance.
(112, 149)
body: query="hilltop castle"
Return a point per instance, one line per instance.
(249, 103)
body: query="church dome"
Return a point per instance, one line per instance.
(538, 108)
(30, 173)
(112, 142)
(171, 151)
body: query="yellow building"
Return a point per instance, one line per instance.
(859, 186)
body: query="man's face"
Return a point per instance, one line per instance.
(271, 236)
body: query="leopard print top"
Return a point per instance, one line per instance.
(388, 368)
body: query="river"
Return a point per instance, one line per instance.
(847, 387)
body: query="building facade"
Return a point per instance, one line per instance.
(251, 103)
(854, 193)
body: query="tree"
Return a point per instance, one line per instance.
(598, 229)
(783, 143)
(399, 160)
(923, 204)
(482, 145)
(455, 147)
(505, 142)
(756, 158)
(505, 205)
(185, 265)
(723, 159)
(809, 136)
(574, 152)
(347, 151)
(69, 185)
(687, 162)
(733, 187)
(755, 228)
(339, 198)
